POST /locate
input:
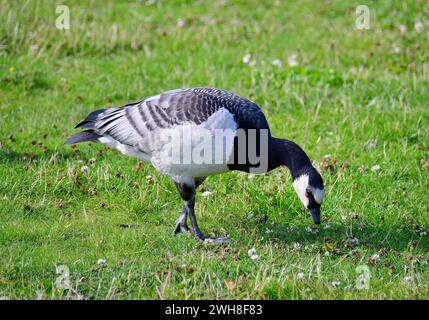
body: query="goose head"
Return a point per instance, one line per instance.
(309, 188)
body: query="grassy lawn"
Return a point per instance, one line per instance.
(355, 100)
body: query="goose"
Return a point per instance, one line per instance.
(190, 134)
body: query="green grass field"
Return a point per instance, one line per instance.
(360, 96)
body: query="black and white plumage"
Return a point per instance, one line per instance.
(139, 129)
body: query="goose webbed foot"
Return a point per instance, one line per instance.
(212, 240)
(215, 240)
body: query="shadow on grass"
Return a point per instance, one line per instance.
(397, 237)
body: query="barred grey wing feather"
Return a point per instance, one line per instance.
(133, 123)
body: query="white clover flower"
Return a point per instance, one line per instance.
(335, 284)
(300, 275)
(311, 229)
(85, 170)
(418, 26)
(246, 58)
(327, 253)
(101, 261)
(206, 194)
(180, 23)
(354, 241)
(375, 168)
(396, 50)
(292, 60)
(277, 63)
(297, 246)
(407, 278)
(251, 252)
(326, 226)
(375, 257)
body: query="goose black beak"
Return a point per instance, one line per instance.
(315, 214)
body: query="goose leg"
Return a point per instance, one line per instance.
(187, 193)
(181, 225)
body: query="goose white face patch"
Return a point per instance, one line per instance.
(300, 185)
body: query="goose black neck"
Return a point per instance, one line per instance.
(288, 153)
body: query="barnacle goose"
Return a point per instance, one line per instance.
(189, 134)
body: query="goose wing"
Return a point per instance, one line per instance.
(133, 123)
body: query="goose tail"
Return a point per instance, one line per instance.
(87, 135)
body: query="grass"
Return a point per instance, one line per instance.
(358, 95)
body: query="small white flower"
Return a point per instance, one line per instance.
(375, 257)
(326, 226)
(375, 168)
(80, 161)
(277, 63)
(246, 58)
(335, 284)
(418, 26)
(180, 23)
(396, 50)
(206, 194)
(33, 49)
(101, 261)
(292, 60)
(407, 278)
(300, 275)
(311, 229)
(402, 29)
(85, 170)
(327, 253)
(251, 216)
(149, 179)
(251, 252)
(254, 257)
(354, 241)
(327, 156)
(297, 246)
